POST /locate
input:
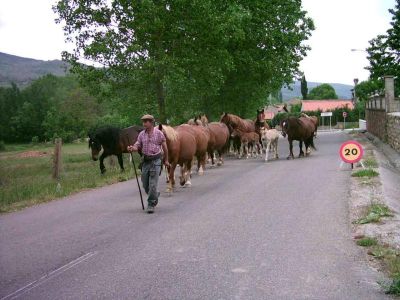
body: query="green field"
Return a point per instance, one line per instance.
(26, 174)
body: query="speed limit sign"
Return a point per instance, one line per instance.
(351, 152)
(344, 114)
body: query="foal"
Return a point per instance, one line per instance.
(269, 138)
(249, 142)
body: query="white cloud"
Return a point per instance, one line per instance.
(340, 26)
(27, 28)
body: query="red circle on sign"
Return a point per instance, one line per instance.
(344, 114)
(351, 152)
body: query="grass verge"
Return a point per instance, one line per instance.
(365, 173)
(370, 162)
(366, 242)
(374, 214)
(389, 258)
(26, 180)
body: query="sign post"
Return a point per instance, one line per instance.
(344, 120)
(351, 152)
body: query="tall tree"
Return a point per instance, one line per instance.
(322, 92)
(384, 51)
(304, 88)
(180, 54)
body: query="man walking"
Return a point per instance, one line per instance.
(150, 141)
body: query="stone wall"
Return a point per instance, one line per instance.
(393, 130)
(382, 113)
(376, 123)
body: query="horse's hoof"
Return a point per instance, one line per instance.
(212, 166)
(219, 164)
(201, 173)
(188, 184)
(289, 158)
(168, 190)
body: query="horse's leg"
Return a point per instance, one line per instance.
(301, 154)
(276, 147)
(121, 162)
(220, 159)
(171, 183)
(201, 161)
(187, 173)
(291, 156)
(102, 167)
(267, 150)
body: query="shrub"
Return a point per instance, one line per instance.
(35, 140)
(367, 242)
(365, 173)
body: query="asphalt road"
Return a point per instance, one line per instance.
(246, 230)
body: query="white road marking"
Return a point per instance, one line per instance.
(49, 276)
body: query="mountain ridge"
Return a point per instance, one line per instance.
(22, 71)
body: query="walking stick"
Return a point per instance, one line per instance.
(137, 180)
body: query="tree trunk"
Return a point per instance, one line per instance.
(161, 100)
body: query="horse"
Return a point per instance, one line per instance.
(235, 122)
(113, 141)
(249, 142)
(299, 129)
(202, 141)
(315, 121)
(270, 138)
(182, 148)
(219, 138)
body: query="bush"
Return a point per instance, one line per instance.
(367, 242)
(2, 146)
(35, 140)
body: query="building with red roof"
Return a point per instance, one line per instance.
(325, 105)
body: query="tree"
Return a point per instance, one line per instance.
(184, 56)
(304, 88)
(323, 91)
(384, 51)
(365, 88)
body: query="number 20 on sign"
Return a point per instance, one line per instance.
(351, 152)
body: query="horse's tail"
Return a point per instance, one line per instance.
(312, 143)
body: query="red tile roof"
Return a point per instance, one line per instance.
(325, 105)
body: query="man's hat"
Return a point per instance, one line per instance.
(147, 117)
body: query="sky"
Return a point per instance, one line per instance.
(27, 29)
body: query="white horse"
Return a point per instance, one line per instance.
(269, 138)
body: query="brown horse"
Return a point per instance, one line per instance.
(298, 129)
(219, 139)
(250, 144)
(236, 122)
(202, 136)
(113, 141)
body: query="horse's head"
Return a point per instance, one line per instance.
(204, 119)
(95, 145)
(262, 133)
(284, 126)
(260, 116)
(225, 118)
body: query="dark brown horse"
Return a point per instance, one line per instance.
(113, 141)
(315, 121)
(298, 129)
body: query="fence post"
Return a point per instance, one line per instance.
(57, 159)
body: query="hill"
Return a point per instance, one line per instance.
(23, 70)
(342, 90)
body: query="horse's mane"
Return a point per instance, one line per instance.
(170, 133)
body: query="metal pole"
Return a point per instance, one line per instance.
(137, 180)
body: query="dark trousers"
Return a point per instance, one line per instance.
(150, 174)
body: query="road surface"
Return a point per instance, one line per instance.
(246, 230)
